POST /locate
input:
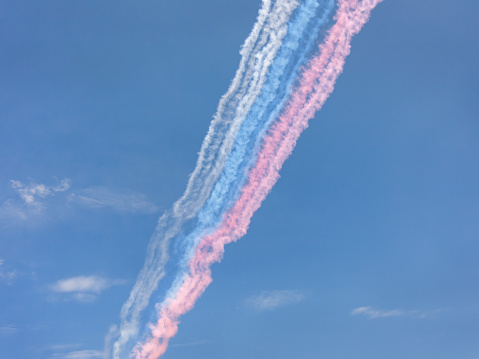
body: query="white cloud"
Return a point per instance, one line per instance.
(33, 192)
(7, 330)
(377, 313)
(82, 284)
(36, 199)
(268, 300)
(98, 197)
(31, 202)
(374, 313)
(84, 354)
(84, 288)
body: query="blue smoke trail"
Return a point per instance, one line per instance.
(303, 30)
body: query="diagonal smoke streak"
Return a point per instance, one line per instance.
(297, 44)
(315, 85)
(232, 109)
(302, 31)
(257, 53)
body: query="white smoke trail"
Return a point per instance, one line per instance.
(257, 54)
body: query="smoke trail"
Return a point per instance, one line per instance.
(315, 85)
(257, 54)
(297, 44)
(282, 73)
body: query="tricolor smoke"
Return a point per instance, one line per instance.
(274, 94)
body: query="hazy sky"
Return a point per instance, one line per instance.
(366, 248)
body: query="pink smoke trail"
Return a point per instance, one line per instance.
(315, 85)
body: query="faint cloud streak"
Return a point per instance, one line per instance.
(101, 197)
(373, 313)
(200, 342)
(11, 213)
(7, 275)
(84, 354)
(269, 300)
(7, 330)
(36, 200)
(63, 347)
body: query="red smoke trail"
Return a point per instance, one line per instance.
(316, 83)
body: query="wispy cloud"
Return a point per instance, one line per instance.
(192, 344)
(34, 200)
(377, 313)
(7, 275)
(11, 213)
(7, 330)
(31, 202)
(102, 197)
(269, 300)
(33, 193)
(84, 288)
(63, 347)
(84, 354)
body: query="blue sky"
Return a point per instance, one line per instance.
(367, 246)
